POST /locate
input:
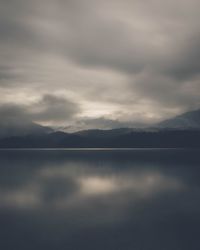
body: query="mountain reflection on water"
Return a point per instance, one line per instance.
(106, 199)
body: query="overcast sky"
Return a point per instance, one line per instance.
(92, 63)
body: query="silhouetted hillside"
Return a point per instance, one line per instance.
(181, 131)
(11, 128)
(160, 139)
(189, 120)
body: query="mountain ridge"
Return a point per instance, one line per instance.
(170, 133)
(187, 120)
(10, 129)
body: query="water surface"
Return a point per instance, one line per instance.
(100, 199)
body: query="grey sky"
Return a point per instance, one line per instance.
(106, 63)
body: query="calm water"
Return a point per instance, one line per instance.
(100, 200)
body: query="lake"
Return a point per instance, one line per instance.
(141, 199)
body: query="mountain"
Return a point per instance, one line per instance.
(10, 128)
(99, 133)
(188, 120)
(180, 132)
(133, 139)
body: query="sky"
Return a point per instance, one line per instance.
(81, 64)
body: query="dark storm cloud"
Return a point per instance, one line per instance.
(94, 38)
(12, 112)
(169, 43)
(185, 65)
(167, 91)
(48, 108)
(66, 45)
(6, 73)
(51, 108)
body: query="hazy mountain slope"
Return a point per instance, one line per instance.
(189, 120)
(181, 131)
(98, 133)
(160, 139)
(9, 129)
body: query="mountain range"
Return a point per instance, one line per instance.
(13, 127)
(180, 131)
(188, 120)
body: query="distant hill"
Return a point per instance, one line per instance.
(132, 139)
(98, 133)
(188, 120)
(182, 131)
(11, 128)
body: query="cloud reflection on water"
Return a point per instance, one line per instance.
(140, 199)
(62, 187)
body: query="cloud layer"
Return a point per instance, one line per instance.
(124, 61)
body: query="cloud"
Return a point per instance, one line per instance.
(103, 123)
(48, 108)
(141, 35)
(106, 56)
(12, 112)
(54, 108)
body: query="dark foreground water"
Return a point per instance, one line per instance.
(100, 200)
